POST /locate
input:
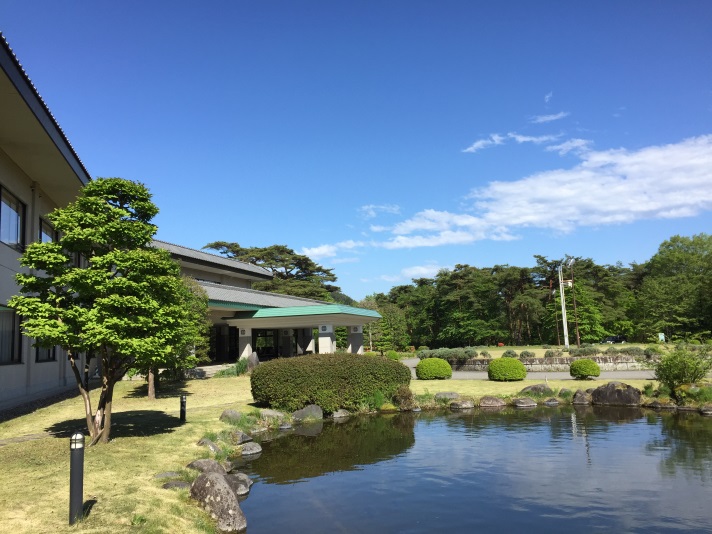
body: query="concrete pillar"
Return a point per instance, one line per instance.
(305, 341)
(244, 343)
(355, 339)
(327, 339)
(286, 342)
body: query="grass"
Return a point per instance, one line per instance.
(120, 492)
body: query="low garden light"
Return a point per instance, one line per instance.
(76, 477)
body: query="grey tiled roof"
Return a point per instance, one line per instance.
(240, 295)
(213, 259)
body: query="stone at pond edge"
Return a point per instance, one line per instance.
(311, 411)
(537, 389)
(706, 410)
(216, 496)
(230, 416)
(205, 442)
(581, 397)
(341, 414)
(285, 426)
(238, 437)
(616, 394)
(462, 404)
(551, 402)
(206, 465)
(564, 391)
(523, 402)
(250, 449)
(176, 484)
(492, 402)
(447, 395)
(267, 414)
(237, 484)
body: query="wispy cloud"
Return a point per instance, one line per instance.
(539, 119)
(548, 96)
(537, 140)
(656, 182)
(493, 139)
(575, 145)
(372, 210)
(329, 251)
(429, 270)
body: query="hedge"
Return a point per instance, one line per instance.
(331, 381)
(433, 369)
(506, 370)
(584, 368)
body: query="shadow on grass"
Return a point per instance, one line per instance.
(86, 509)
(123, 425)
(167, 390)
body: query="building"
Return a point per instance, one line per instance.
(40, 171)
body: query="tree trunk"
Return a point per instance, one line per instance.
(152, 384)
(85, 396)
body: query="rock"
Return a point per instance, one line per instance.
(167, 474)
(251, 449)
(537, 389)
(205, 442)
(176, 484)
(206, 465)
(581, 397)
(243, 478)
(238, 437)
(551, 402)
(252, 361)
(311, 429)
(237, 484)
(272, 415)
(616, 394)
(492, 402)
(416, 409)
(706, 409)
(217, 497)
(230, 416)
(312, 411)
(447, 395)
(462, 404)
(523, 402)
(564, 391)
(341, 414)
(285, 426)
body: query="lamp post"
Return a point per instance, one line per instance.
(563, 308)
(578, 336)
(76, 477)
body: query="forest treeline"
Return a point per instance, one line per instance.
(469, 306)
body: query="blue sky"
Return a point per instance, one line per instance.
(391, 139)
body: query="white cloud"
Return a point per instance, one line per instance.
(377, 228)
(605, 187)
(576, 145)
(372, 210)
(537, 140)
(493, 139)
(548, 96)
(539, 119)
(429, 270)
(329, 251)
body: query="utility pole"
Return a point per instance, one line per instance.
(578, 336)
(563, 308)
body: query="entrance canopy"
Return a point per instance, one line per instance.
(302, 316)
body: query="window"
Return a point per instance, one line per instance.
(47, 233)
(12, 220)
(10, 339)
(46, 355)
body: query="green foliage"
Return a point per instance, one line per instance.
(374, 401)
(509, 353)
(636, 352)
(393, 355)
(584, 351)
(423, 347)
(452, 356)
(404, 398)
(553, 354)
(506, 370)
(332, 381)
(240, 368)
(433, 369)
(527, 354)
(485, 354)
(652, 351)
(682, 366)
(649, 389)
(584, 369)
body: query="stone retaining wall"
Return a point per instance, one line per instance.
(606, 363)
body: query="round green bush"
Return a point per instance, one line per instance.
(527, 354)
(433, 369)
(393, 355)
(331, 381)
(506, 370)
(509, 353)
(584, 368)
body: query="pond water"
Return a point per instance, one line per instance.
(545, 470)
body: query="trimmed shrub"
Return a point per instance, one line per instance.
(404, 398)
(506, 370)
(680, 367)
(584, 368)
(636, 352)
(527, 354)
(584, 351)
(552, 353)
(240, 368)
(433, 369)
(392, 355)
(509, 353)
(423, 347)
(485, 354)
(460, 355)
(331, 381)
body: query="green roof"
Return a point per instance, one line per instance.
(300, 311)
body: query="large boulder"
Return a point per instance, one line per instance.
(230, 416)
(537, 389)
(524, 402)
(218, 498)
(492, 402)
(616, 394)
(447, 395)
(251, 449)
(341, 414)
(238, 484)
(206, 465)
(238, 437)
(312, 412)
(205, 442)
(462, 404)
(581, 397)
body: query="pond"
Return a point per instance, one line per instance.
(545, 470)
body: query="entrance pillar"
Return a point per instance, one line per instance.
(327, 339)
(355, 339)
(244, 348)
(305, 341)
